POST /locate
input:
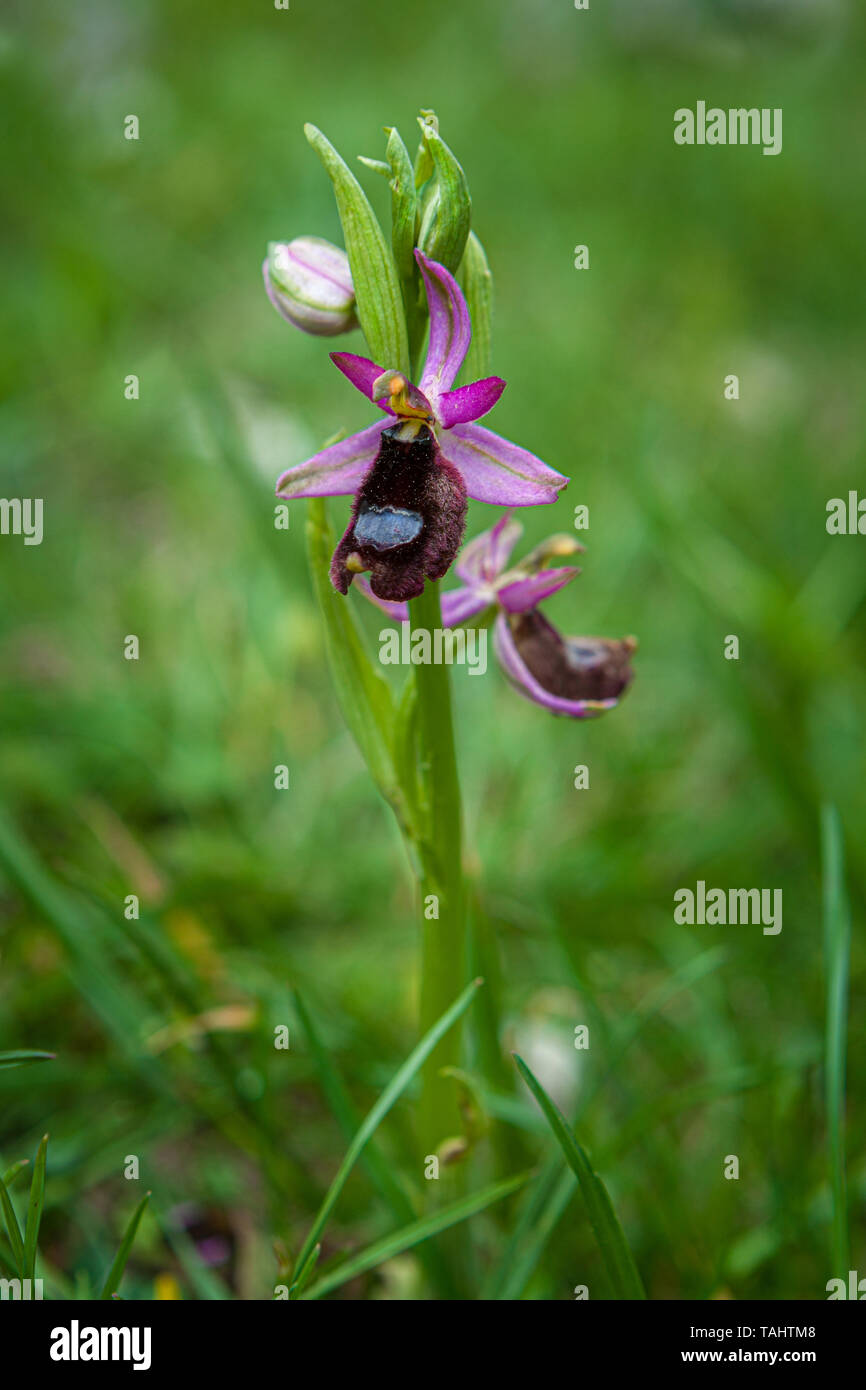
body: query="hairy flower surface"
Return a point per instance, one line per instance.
(411, 472)
(575, 676)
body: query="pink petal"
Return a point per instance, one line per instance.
(335, 471)
(450, 328)
(499, 472)
(323, 263)
(469, 402)
(398, 611)
(485, 556)
(362, 373)
(525, 683)
(457, 606)
(527, 593)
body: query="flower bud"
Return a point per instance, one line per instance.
(308, 281)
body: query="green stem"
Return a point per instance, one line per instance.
(443, 899)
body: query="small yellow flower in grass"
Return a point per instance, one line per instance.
(166, 1288)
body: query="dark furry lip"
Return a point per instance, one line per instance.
(408, 517)
(573, 668)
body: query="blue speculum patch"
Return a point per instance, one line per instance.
(386, 527)
(580, 655)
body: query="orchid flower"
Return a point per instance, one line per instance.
(411, 472)
(575, 676)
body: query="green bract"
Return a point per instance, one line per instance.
(374, 274)
(404, 204)
(478, 289)
(446, 206)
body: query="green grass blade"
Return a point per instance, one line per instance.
(389, 1096)
(380, 1171)
(115, 1274)
(531, 1230)
(837, 951)
(22, 1056)
(12, 1173)
(554, 1209)
(348, 1118)
(556, 1185)
(618, 1259)
(13, 1230)
(399, 1241)
(34, 1209)
(298, 1285)
(548, 1201)
(84, 938)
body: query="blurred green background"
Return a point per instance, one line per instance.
(707, 518)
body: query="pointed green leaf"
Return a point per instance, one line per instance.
(477, 283)
(618, 1259)
(103, 985)
(34, 1209)
(374, 274)
(423, 157)
(341, 1106)
(392, 1092)
(380, 1170)
(306, 1273)
(545, 1206)
(446, 215)
(115, 1274)
(22, 1056)
(379, 166)
(399, 1241)
(535, 1220)
(404, 204)
(12, 1173)
(13, 1230)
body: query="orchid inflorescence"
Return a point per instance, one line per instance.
(411, 472)
(423, 303)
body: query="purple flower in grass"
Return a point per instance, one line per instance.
(411, 472)
(575, 676)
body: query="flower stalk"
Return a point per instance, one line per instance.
(443, 896)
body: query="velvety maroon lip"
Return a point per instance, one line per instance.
(407, 520)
